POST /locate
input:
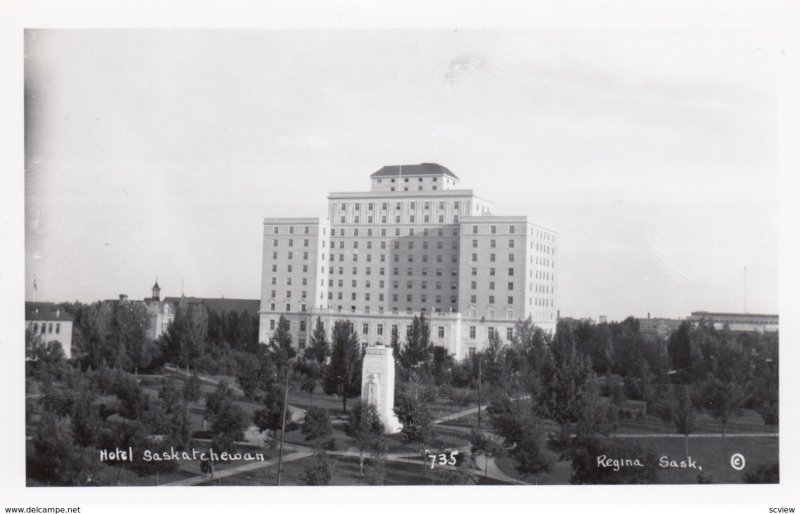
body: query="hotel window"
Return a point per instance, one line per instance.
(472, 351)
(438, 258)
(510, 300)
(305, 230)
(440, 331)
(274, 230)
(491, 300)
(408, 298)
(474, 243)
(491, 272)
(474, 285)
(491, 257)
(365, 329)
(441, 218)
(472, 336)
(301, 343)
(474, 257)
(290, 255)
(491, 286)
(509, 330)
(511, 257)
(288, 307)
(344, 207)
(491, 332)
(272, 306)
(511, 286)
(511, 243)
(493, 243)
(474, 229)
(511, 229)
(493, 230)
(473, 299)
(274, 268)
(305, 256)
(302, 326)
(455, 205)
(274, 242)
(305, 242)
(453, 285)
(274, 255)
(272, 294)
(439, 245)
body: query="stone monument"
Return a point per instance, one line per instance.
(377, 385)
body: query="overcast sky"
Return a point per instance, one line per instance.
(653, 154)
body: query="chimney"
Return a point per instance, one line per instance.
(123, 298)
(648, 315)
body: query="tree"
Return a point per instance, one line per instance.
(417, 351)
(215, 401)
(319, 349)
(130, 328)
(376, 468)
(343, 374)
(522, 433)
(721, 399)
(228, 426)
(683, 413)
(318, 472)
(252, 375)
(191, 390)
(563, 376)
(442, 366)
(365, 428)
(280, 348)
(56, 458)
(270, 417)
(187, 333)
(417, 420)
(317, 426)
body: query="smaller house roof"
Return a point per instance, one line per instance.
(45, 311)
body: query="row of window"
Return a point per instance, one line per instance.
(412, 218)
(474, 285)
(398, 206)
(47, 328)
(493, 243)
(290, 229)
(511, 229)
(342, 232)
(492, 257)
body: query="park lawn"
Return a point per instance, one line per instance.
(749, 422)
(713, 455)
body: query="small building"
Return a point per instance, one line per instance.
(48, 322)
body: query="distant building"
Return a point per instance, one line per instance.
(218, 305)
(737, 322)
(660, 328)
(48, 322)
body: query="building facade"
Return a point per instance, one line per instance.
(737, 322)
(414, 243)
(48, 322)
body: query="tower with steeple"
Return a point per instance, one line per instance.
(156, 292)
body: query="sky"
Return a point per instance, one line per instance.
(159, 152)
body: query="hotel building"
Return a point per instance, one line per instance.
(413, 243)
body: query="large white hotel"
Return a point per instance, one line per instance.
(413, 243)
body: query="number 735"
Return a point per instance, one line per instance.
(443, 458)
